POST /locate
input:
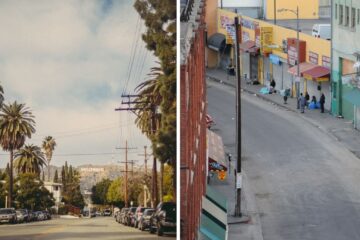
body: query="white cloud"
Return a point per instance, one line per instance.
(68, 61)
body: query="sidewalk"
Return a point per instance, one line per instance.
(337, 128)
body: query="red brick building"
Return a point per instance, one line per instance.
(193, 156)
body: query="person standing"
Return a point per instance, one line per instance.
(302, 103)
(322, 102)
(307, 97)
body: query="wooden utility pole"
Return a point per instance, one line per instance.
(126, 171)
(238, 118)
(152, 109)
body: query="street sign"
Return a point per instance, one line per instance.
(238, 181)
(297, 79)
(222, 175)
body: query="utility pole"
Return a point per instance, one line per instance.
(238, 118)
(126, 171)
(145, 158)
(130, 103)
(274, 12)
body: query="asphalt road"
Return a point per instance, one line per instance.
(306, 185)
(100, 228)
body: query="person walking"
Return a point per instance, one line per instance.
(322, 102)
(286, 95)
(307, 97)
(302, 103)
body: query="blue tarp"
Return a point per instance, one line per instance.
(264, 90)
(274, 59)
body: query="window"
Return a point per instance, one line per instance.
(347, 16)
(334, 90)
(341, 14)
(336, 10)
(353, 17)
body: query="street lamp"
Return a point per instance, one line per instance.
(297, 83)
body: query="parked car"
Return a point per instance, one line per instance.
(107, 212)
(99, 213)
(20, 218)
(138, 213)
(26, 214)
(130, 217)
(32, 216)
(122, 215)
(164, 218)
(145, 219)
(47, 215)
(8, 215)
(40, 216)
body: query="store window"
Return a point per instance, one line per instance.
(341, 14)
(336, 10)
(347, 16)
(353, 18)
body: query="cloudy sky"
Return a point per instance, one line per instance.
(69, 61)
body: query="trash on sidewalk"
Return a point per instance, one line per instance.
(264, 90)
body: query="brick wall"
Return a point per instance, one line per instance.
(193, 134)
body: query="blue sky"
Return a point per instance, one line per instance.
(68, 61)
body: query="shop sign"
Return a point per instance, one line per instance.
(248, 23)
(257, 37)
(292, 55)
(226, 21)
(230, 34)
(266, 39)
(245, 36)
(313, 58)
(326, 62)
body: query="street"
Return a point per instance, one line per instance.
(104, 228)
(304, 181)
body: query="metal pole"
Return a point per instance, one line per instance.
(238, 122)
(274, 12)
(297, 84)
(126, 176)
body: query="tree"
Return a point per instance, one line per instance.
(31, 193)
(29, 159)
(99, 192)
(115, 193)
(4, 178)
(71, 186)
(168, 184)
(16, 124)
(48, 145)
(56, 177)
(160, 38)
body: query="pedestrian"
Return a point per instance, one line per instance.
(302, 103)
(286, 95)
(313, 99)
(322, 102)
(307, 97)
(272, 85)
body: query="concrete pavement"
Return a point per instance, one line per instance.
(300, 182)
(340, 129)
(104, 228)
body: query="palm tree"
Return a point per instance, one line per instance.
(1, 95)
(29, 159)
(48, 145)
(16, 124)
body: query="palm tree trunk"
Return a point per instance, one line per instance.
(161, 181)
(48, 171)
(10, 193)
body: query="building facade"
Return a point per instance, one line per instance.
(192, 119)
(346, 60)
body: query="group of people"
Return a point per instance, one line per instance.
(303, 101)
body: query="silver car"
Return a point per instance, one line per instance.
(8, 215)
